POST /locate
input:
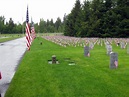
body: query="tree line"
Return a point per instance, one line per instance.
(50, 26)
(98, 18)
(42, 27)
(92, 18)
(9, 27)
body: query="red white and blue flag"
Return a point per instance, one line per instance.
(116, 63)
(28, 31)
(33, 34)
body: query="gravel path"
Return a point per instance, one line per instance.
(10, 55)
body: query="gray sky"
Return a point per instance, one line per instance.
(46, 9)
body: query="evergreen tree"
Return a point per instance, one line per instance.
(73, 22)
(122, 11)
(86, 12)
(42, 26)
(11, 26)
(69, 30)
(57, 24)
(2, 19)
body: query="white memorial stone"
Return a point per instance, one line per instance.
(109, 49)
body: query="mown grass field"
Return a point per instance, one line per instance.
(8, 37)
(90, 77)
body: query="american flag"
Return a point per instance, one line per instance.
(28, 36)
(88, 54)
(33, 34)
(116, 63)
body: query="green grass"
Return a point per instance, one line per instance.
(8, 37)
(90, 77)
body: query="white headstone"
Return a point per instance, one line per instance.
(127, 48)
(122, 45)
(109, 49)
(91, 45)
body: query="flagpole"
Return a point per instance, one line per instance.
(28, 36)
(22, 27)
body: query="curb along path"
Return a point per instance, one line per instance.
(11, 53)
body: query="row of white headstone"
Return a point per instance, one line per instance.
(72, 41)
(88, 44)
(113, 55)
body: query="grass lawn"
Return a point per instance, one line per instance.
(90, 77)
(8, 37)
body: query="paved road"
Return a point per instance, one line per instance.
(10, 55)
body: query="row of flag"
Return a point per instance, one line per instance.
(30, 31)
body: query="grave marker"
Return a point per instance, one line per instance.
(91, 45)
(113, 60)
(127, 48)
(122, 45)
(86, 51)
(109, 49)
(53, 59)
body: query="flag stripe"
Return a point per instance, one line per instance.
(33, 34)
(28, 36)
(116, 63)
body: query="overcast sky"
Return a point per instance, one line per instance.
(46, 9)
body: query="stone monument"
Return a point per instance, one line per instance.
(128, 48)
(86, 51)
(113, 60)
(53, 59)
(122, 45)
(109, 49)
(91, 45)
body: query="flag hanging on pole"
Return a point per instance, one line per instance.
(33, 34)
(28, 36)
(116, 63)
